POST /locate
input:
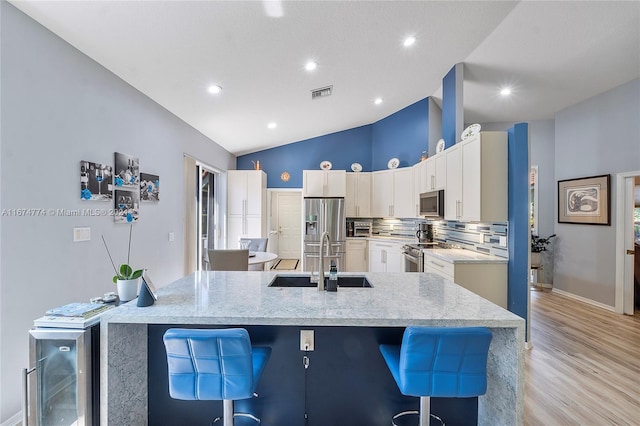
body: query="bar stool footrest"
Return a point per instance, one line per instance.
(413, 413)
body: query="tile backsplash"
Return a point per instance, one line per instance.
(480, 237)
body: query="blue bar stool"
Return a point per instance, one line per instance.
(439, 362)
(214, 364)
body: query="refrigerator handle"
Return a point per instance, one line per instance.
(25, 394)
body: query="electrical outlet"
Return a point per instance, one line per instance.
(306, 340)
(81, 234)
(503, 241)
(172, 237)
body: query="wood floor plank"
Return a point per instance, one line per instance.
(584, 367)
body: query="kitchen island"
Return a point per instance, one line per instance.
(353, 320)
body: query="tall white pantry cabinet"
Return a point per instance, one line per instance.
(246, 205)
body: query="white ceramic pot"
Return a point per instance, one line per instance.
(128, 289)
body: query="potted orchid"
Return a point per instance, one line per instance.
(126, 278)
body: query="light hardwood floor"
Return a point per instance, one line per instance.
(584, 367)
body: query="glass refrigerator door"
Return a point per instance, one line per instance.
(60, 358)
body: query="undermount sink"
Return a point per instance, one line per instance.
(305, 281)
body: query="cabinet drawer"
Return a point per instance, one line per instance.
(432, 264)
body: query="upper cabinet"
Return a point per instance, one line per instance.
(357, 200)
(393, 194)
(246, 205)
(476, 179)
(324, 183)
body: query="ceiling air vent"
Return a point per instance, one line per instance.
(322, 92)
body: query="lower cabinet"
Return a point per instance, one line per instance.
(357, 256)
(385, 257)
(488, 280)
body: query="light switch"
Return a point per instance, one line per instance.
(171, 237)
(81, 234)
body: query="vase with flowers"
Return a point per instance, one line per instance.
(126, 278)
(538, 245)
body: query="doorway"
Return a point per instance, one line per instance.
(201, 225)
(627, 242)
(285, 224)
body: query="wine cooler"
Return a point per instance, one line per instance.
(61, 386)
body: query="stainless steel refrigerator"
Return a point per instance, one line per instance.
(320, 215)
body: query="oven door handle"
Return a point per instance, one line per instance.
(412, 258)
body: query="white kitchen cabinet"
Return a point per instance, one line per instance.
(436, 172)
(476, 179)
(357, 255)
(246, 205)
(488, 280)
(393, 194)
(404, 198)
(357, 200)
(385, 256)
(324, 183)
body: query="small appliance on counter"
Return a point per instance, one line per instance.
(424, 234)
(361, 229)
(413, 256)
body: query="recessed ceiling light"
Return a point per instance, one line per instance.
(214, 89)
(409, 41)
(506, 91)
(377, 101)
(272, 125)
(311, 65)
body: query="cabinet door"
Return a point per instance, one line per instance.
(364, 195)
(335, 183)
(440, 174)
(395, 259)
(404, 200)
(255, 192)
(254, 227)
(235, 230)
(471, 181)
(351, 196)
(453, 192)
(236, 192)
(357, 256)
(382, 193)
(377, 258)
(313, 183)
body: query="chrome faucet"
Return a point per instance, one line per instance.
(325, 235)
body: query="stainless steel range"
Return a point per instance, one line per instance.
(413, 256)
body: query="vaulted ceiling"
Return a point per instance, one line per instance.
(552, 54)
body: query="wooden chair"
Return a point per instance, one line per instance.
(229, 260)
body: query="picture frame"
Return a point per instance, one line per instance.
(585, 201)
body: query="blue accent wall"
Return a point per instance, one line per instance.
(518, 272)
(340, 148)
(403, 135)
(449, 107)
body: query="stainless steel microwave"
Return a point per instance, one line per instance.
(432, 204)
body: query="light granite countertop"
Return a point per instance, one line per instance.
(244, 298)
(464, 256)
(396, 299)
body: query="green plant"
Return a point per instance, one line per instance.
(540, 244)
(125, 272)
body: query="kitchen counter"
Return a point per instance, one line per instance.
(464, 256)
(244, 299)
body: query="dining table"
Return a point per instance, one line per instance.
(261, 257)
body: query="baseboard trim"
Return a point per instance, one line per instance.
(15, 420)
(584, 299)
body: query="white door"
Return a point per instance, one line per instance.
(286, 221)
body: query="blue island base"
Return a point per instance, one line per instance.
(347, 382)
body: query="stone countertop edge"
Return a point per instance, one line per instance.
(464, 256)
(244, 298)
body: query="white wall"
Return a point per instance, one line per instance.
(595, 137)
(59, 107)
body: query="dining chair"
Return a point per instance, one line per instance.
(229, 260)
(256, 244)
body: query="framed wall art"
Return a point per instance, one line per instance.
(149, 187)
(585, 200)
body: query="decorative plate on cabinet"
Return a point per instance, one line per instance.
(440, 146)
(356, 167)
(472, 130)
(326, 165)
(393, 163)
